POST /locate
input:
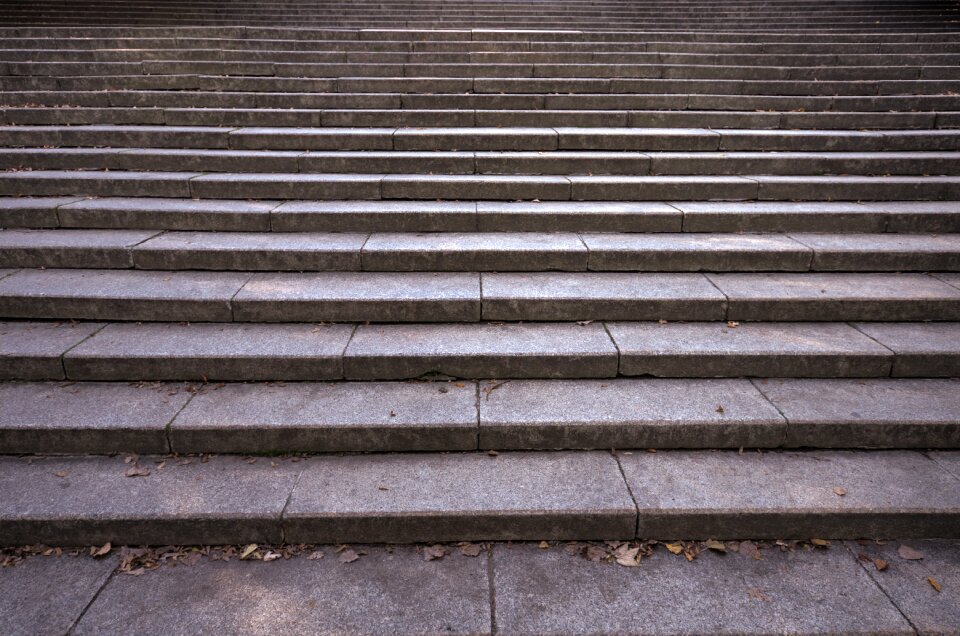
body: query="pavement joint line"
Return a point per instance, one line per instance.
(944, 467)
(871, 575)
(168, 427)
(606, 329)
(726, 298)
(281, 518)
(477, 403)
(893, 354)
(63, 354)
(230, 303)
(492, 589)
(811, 251)
(363, 248)
(626, 482)
(343, 352)
(786, 420)
(130, 248)
(106, 581)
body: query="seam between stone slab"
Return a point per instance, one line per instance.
(626, 482)
(286, 504)
(168, 428)
(586, 265)
(944, 468)
(299, 157)
(786, 420)
(756, 195)
(63, 366)
(130, 248)
(492, 589)
(726, 298)
(719, 137)
(606, 329)
(477, 402)
(945, 282)
(683, 215)
(230, 306)
(362, 248)
(270, 215)
(56, 208)
(11, 273)
(811, 251)
(343, 352)
(93, 599)
(870, 575)
(893, 354)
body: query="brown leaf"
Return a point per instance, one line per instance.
(544, 545)
(627, 557)
(908, 553)
(102, 551)
(820, 543)
(348, 556)
(137, 471)
(596, 553)
(732, 324)
(757, 594)
(62, 474)
(840, 492)
(717, 546)
(880, 564)
(271, 556)
(934, 584)
(434, 552)
(470, 549)
(247, 551)
(675, 548)
(316, 555)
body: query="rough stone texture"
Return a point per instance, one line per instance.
(695, 252)
(838, 297)
(512, 138)
(647, 413)
(407, 186)
(780, 216)
(921, 216)
(372, 595)
(251, 251)
(47, 594)
(405, 498)
(750, 349)
(375, 216)
(950, 279)
(91, 500)
(575, 216)
(804, 592)
(868, 413)
(350, 296)
(922, 350)
(285, 186)
(94, 418)
(168, 214)
(212, 351)
(503, 251)
(120, 294)
(660, 188)
(69, 248)
(790, 495)
(882, 252)
(369, 416)
(33, 350)
(906, 583)
(600, 296)
(31, 212)
(546, 350)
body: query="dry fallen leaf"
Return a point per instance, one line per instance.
(470, 549)
(820, 543)
(732, 324)
(840, 492)
(908, 553)
(102, 551)
(62, 474)
(247, 551)
(757, 594)
(348, 556)
(627, 557)
(271, 556)
(434, 552)
(880, 564)
(544, 545)
(717, 546)
(137, 471)
(675, 548)
(316, 555)
(933, 583)
(595, 553)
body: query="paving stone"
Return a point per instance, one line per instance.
(882, 252)
(251, 251)
(445, 497)
(561, 162)
(868, 413)
(659, 188)
(479, 138)
(453, 251)
(548, 350)
(790, 495)
(921, 216)
(50, 417)
(216, 160)
(637, 138)
(189, 501)
(96, 183)
(33, 350)
(454, 187)
(750, 349)
(120, 295)
(355, 296)
(551, 591)
(26, 604)
(600, 296)
(285, 186)
(311, 417)
(837, 297)
(210, 351)
(370, 596)
(921, 349)
(948, 460)
(950, 279)
(168, 214)
(906, 583)
(695, 252)
(575, 216)
(433, 162)
(312, 138)
(379, 216)
(69, 248)
(780, 216)
(856, 188)
(646, 413)
(31, 211)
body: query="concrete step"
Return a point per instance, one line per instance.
(469, 216)
(338, 186)
(477, 251)
(248, 352)
(473, 496)
(470, 297)
(65, 418)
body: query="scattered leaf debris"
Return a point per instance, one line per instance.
(908, 553)
(934, 583)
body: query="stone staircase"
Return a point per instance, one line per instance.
(401, 272)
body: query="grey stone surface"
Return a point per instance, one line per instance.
(312, 138)
(31, 211)
(285, 186)
(446, 497)
(69, 248)
(804, 592)
(882, 252)
(907, 583)
(921, 216)
(168, 214)
(210, 351)
(312, 417)
(696, 252)
(27, 604)
(373, 595)
(96, 183)
(780, 216)
(543, 350)
(251, 251)
(487, 251)
(948, 460)
(53, 417)
(480, 138)
(790, 495)
(454, 187)
(750, 349)
(868, 413)
(34, 350)
(120, 294)
(950, 279)
(600, 296)
(660, 188)
(921, 349)
(215, 500)
(379, 216)
(836, 296)
(621, 413)
(644, 138)
(575, 216)
(356, 296)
